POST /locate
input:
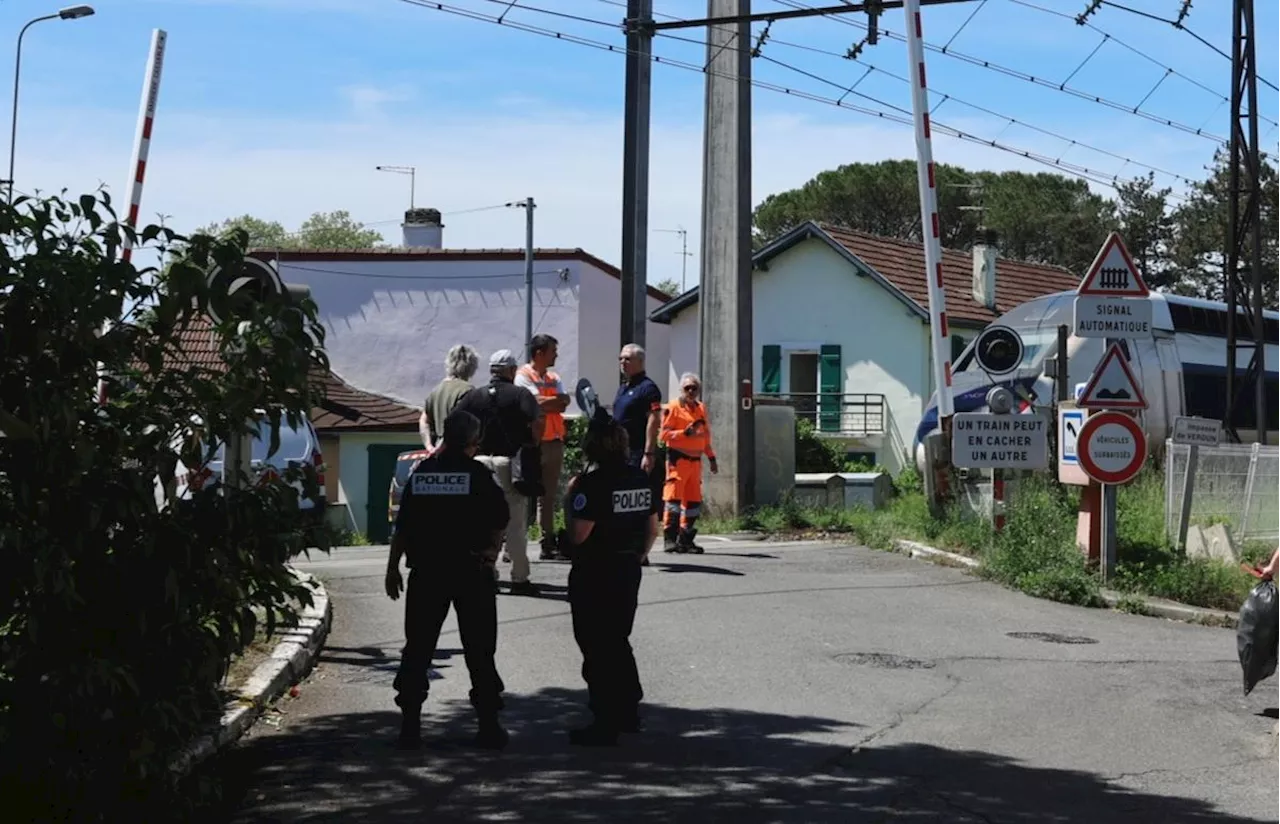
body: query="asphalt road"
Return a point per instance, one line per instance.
(783, 683)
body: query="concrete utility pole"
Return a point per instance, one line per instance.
(725, 303)
(726, 306)
(635, 172)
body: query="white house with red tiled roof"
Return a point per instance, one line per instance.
(357, 431)
(845, 315)
(391, 314)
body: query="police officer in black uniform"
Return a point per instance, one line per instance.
(612, 521)
(451, 519)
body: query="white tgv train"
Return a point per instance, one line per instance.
(1182, 369)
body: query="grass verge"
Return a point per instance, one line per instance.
(1036, 552)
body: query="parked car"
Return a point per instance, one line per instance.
(404, 465)
(298, 445)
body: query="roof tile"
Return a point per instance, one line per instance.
(902, 263)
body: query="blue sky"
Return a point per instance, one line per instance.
(283, 107)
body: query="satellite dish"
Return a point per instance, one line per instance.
(588, 402)
(998, 350)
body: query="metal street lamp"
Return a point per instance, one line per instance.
(69, 13)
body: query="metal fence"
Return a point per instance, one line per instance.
(1235, 484)
(836, 413)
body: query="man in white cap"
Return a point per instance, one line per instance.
(509, 416)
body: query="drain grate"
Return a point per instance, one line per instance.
(883, 660)
(1052, 637)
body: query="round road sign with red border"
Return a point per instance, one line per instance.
(1112, 447)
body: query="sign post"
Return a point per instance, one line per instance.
(1195, 432)
(1113, 303)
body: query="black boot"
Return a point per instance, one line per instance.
(669, 536)
(491, 735)
(410, 728)
(686, 541)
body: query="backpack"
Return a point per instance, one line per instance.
(526, 464)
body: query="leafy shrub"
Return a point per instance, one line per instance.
(118, 615)
(1140, 513)
(909, 482)
(815, 453)
(1036, 551)
(575, 430)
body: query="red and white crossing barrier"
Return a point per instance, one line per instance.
(141, 148)
(938, 332)
(142, 140)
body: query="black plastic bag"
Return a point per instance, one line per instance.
(1257, 635)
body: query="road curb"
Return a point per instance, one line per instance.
(918, 550)
(290, 661)
(1154, 607)
(1160, 608)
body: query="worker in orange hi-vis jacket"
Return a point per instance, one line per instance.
(687, 435)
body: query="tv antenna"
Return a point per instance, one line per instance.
(685, 254)
(411, 171)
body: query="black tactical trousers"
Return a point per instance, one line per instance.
(603, 593)
(468, 586)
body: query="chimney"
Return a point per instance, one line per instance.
(423, 229)
(984, 268)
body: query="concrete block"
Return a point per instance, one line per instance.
(1212, 542)
(871, 490)
(775, 452)
(820, 489)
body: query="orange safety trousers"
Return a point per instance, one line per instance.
(682, 491)
(683, 486)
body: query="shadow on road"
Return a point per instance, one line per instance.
(688, 766)
(378, 658)
(756, 555)
(704, 569)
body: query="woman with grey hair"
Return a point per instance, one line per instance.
(460, 364)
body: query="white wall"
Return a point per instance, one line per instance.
(353, 470)
(389, 322)
(685, 355)
(811, 295)
(600, 337)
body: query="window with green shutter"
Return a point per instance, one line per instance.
(771, 369)
(831, 383)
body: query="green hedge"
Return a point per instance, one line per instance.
(118, 616)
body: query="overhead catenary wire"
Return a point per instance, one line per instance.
(1178, 24)
(945, 97)
(965, 24)
(1098, 176)
(1035, 79)
(1121, 43)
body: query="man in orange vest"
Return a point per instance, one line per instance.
(537, 377)
(687, 436)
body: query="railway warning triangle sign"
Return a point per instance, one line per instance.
(1113, 385)
(1112, 273)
